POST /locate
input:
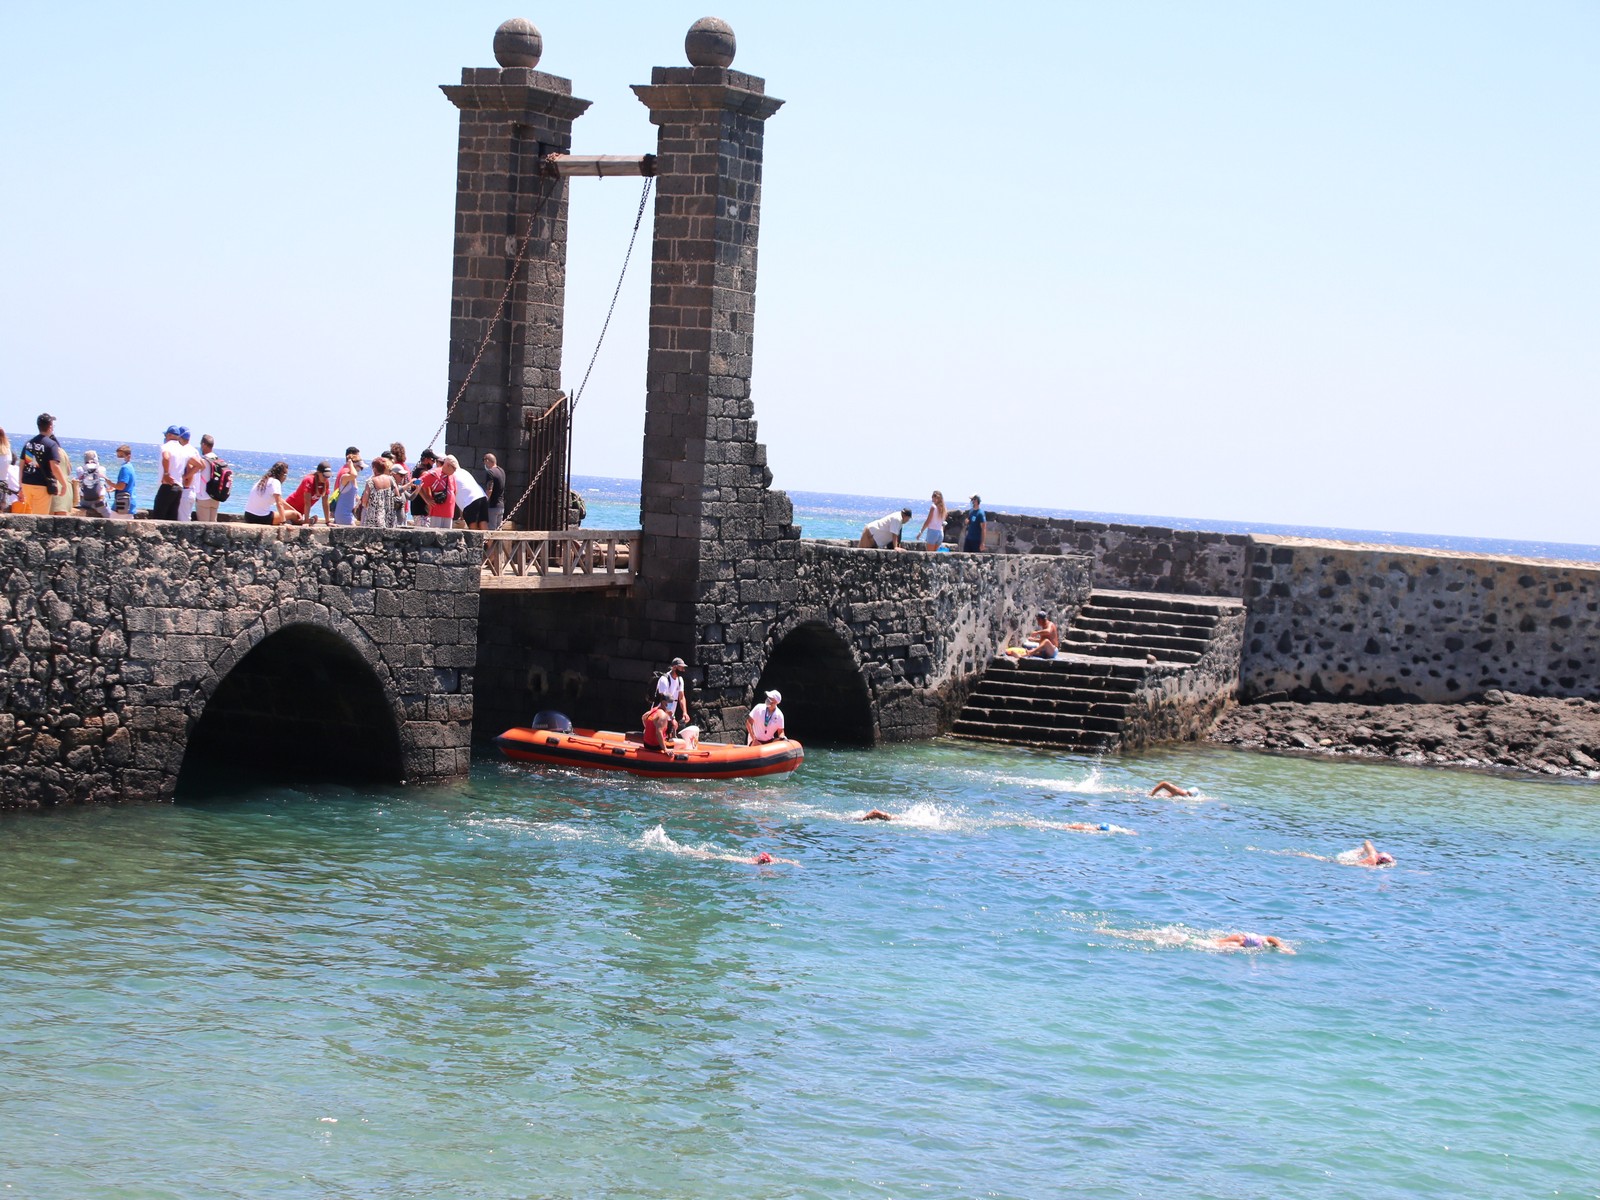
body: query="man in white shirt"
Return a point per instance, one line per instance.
(472, 500)
(765, 722)
(670, 688)
(193, 465)
(205, 508)
(165, 506)
(884, 533)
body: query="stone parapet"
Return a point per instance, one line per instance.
(1137, 558)
(1341, 620)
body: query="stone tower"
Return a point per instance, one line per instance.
(712, 529)
(511, 115)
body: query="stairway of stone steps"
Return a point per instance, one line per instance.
(1079, 699)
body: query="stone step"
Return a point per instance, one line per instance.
(1094, 706)
(1143, 642)
(1115, 624)
(1034, 720)
(1213, 606)
(1088, 692)
(1050, 739)
(1067, 666)
(1148, 616)
(1162, 655)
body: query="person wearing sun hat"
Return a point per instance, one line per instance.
(765, 722)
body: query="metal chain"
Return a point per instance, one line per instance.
(638, 219)
(488, 332)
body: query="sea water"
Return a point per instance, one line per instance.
(539, 982)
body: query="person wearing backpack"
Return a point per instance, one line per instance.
(214, 481)
(93, 491)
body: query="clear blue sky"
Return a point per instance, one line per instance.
(1333, 264)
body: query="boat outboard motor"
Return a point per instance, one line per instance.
(552, 721)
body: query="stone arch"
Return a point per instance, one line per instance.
(302, 693)
(825, 693)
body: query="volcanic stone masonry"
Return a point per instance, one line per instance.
(117, 637)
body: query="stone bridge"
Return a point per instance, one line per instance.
(136, 653)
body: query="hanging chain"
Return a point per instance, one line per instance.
(488, 332)
(638, 219)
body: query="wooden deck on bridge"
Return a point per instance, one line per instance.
(580, 558)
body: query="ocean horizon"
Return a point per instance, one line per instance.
(613, 503)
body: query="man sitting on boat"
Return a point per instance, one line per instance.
(765, 722)
(658, 728)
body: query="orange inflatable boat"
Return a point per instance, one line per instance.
(601, 750)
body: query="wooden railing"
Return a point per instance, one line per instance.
(579, 558)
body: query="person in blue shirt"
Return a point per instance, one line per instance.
(122, 486)
(972, 539)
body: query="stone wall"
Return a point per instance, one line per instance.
(1135, 558)
(1179, 703)
(913, 631)
(114, 635)
(1338, 620)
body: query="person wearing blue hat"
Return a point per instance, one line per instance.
(174, 455)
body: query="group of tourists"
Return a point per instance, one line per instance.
(194, 482)
(40, 478)
(435, 492)
(886, 533)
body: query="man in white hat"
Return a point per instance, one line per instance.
(670, 688)
(765, 722)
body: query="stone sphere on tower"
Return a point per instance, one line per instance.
(710, 43)
(517, 43)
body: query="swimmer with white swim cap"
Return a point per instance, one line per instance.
(1371, 856)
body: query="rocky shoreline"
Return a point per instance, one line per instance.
(1537, 734)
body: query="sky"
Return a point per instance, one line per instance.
(1330, 264)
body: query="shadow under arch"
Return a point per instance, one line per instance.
(301, 705)
(825, 698)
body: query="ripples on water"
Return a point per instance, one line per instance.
(542, 984)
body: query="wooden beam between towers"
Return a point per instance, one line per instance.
(600, 166)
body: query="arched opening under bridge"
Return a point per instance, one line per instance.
(301, 706)
(825, 699)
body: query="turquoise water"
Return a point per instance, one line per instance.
(535, 983)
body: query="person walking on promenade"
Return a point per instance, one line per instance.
(382, 501)
(426, 461)
(765, 722)
(207, 480)
(494, 484)
(438, 492)
(670, 688)
(173, 458)
(932, 531)
(884, 533)
(474, 501)
(122, 502)
(10, 477)
(347, 487)
(193, 466)
(972, 536)
(264, 505)
(44, 469)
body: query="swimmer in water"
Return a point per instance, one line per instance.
(876, 814)
(1370, 856)
(1249, 941)
(1170, 789)
(1085, 827)
(764, 859)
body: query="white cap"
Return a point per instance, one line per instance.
(775, 695)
